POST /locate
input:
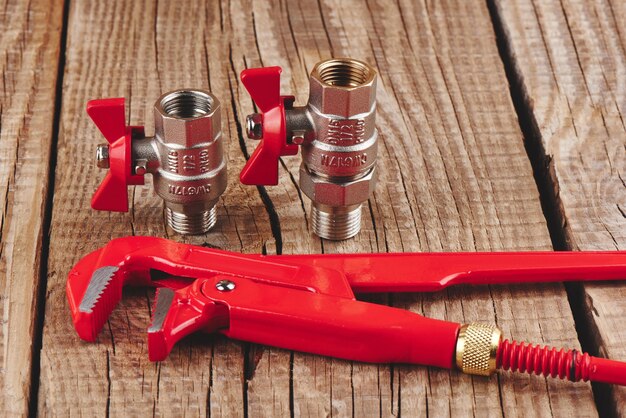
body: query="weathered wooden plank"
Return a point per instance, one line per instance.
(569, 58)
(138, 50)
(29, 54)
(453, 176)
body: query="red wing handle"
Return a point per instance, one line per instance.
(263, 84)
(109, 117)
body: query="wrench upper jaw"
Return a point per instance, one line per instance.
(103, 292)
(94, 287)
(77, 283)
(178, 313)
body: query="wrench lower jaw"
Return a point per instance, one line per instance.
(157, 346)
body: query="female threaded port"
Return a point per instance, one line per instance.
(187, 104)
(343, 72)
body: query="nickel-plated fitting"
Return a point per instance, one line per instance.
(336, 130)
(185, 158)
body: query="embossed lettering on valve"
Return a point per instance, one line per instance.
(189, 190)
(345, 132)
(350, 161)
(189, 162)
(172, 161)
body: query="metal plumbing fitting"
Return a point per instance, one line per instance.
(185, 157)
(337, 133)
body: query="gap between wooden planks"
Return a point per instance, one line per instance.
(30, 34)
(569, 64)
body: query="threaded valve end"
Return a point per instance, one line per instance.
(191, 224)
(344, 72)
(185, 104)
(335, 224)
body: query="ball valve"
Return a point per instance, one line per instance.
(336, 131)
(185, 157)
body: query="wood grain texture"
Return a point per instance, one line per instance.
(135, 50)
(29, 53)
(570, 60)
(454, 175)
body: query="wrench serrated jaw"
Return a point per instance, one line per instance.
(178, 313)
(157, 343)
(103, 293)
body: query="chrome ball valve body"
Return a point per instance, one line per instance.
(336, 131)
(185, 157)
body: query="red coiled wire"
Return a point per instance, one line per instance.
(548, 361)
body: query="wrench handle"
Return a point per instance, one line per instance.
(293, 319)
(430, 272)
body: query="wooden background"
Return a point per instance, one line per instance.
(502, 125)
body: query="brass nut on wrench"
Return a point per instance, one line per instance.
(476, 349)
(185, 157)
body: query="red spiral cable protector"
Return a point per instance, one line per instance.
(548, 361)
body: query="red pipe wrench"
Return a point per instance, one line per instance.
(306, 302)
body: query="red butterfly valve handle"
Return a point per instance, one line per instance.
(185, 157)
(336, 130)
(109, 117)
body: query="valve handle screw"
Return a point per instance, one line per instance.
(254, 126)
(102, 156)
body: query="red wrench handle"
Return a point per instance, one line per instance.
(429, 272)
(304, 321)
(260, 312)
(337, 327)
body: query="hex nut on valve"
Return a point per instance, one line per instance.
(337, 133)
(185, 157)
